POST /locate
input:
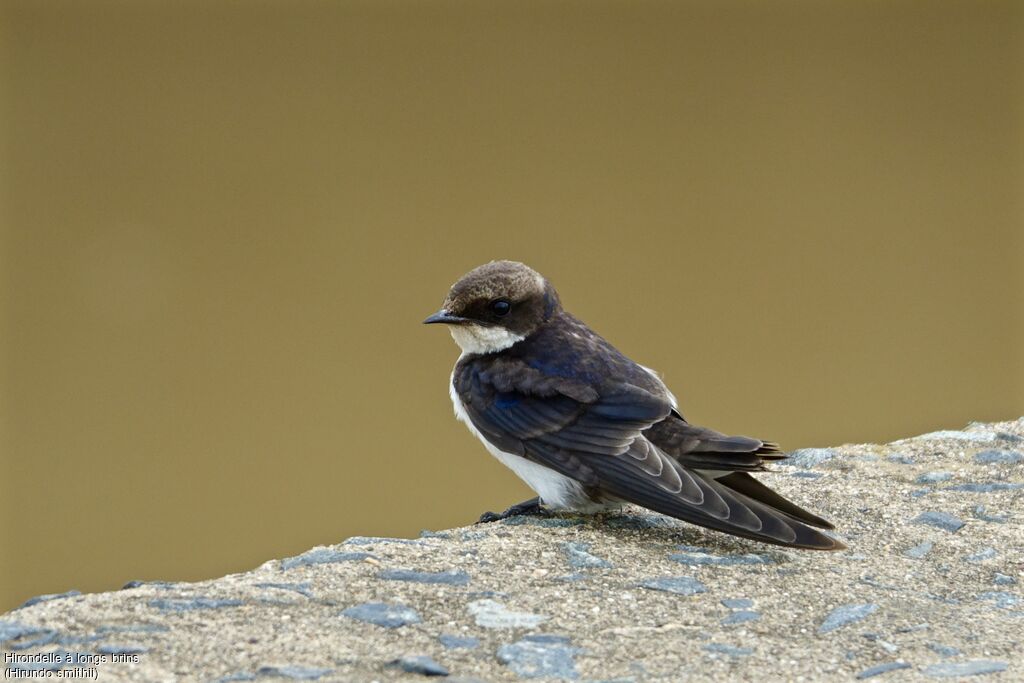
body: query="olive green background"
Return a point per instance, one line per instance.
(224, 221)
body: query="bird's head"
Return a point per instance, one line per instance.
(496, 305)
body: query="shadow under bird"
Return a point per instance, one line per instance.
(589, 429)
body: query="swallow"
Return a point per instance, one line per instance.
(588, 429)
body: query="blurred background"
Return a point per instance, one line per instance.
(223, 223)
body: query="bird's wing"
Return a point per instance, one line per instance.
(597, 438)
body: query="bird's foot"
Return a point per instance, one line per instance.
(527, 507)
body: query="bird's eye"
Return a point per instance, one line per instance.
(500, 307)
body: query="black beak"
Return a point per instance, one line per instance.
(446, 318)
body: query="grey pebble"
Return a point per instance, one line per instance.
(741, 617)
(943, 650)
(383, 614)
(680, 585)
(934, 477)
(982, 555)
(376, 540)
(846, 614)
(133, 628)
(453, 642)
(530, 658)
(738, 603)
(35, 639)
(901, 459)
(972, 668)
(731, 650)
(996, 457)
(580, 558)
(880, 669)
(700, 558)
(297, 673)
(10, 630)
(990, 487)
(300, 588)
(189, 605)
(48, 597)
(491, 614)
(427, 533)
(1002, 599)
(917, 493)
(804, 474)
(980, 513)
(1001, 579)
(322, 556)
(449, 577)
(940, 520)
(809, 457)
(419, 664)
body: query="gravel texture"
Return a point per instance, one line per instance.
(929, 589)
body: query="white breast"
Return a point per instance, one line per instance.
(554, 489)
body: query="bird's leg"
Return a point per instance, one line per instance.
(527, 507)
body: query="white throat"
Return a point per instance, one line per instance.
(483, 339)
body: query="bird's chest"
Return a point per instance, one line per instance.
(554, 489)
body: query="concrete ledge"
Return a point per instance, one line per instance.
(930, 588)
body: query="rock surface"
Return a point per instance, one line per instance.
(929, 589)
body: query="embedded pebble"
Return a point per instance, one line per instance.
(804, 474)
(919, 550)
(844, 615)
(731, 650)
(300, 588)
(580, 557)
(996, 457)
(982, 555)
(297, 673)
(377, 540)
(540, 657)
(700, 558)
(809, 457)
(383, 614)
(999, 579)
(940, 520)
(880, 669)
(453, 642)
(901, 459)
(491, 614)
(427, 533)
(680, 585)
(740, 617)
(934, 477)
(1002, 599)
(322, 556)
(989, 487)
(11, 630)
(972, 668)
(980, 513)
(450, 577)
(943, 650)
(155, 584)
(419, 664)
(737, 603)
(48, 597)
(190, 605)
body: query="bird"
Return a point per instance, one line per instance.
(590, 430)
